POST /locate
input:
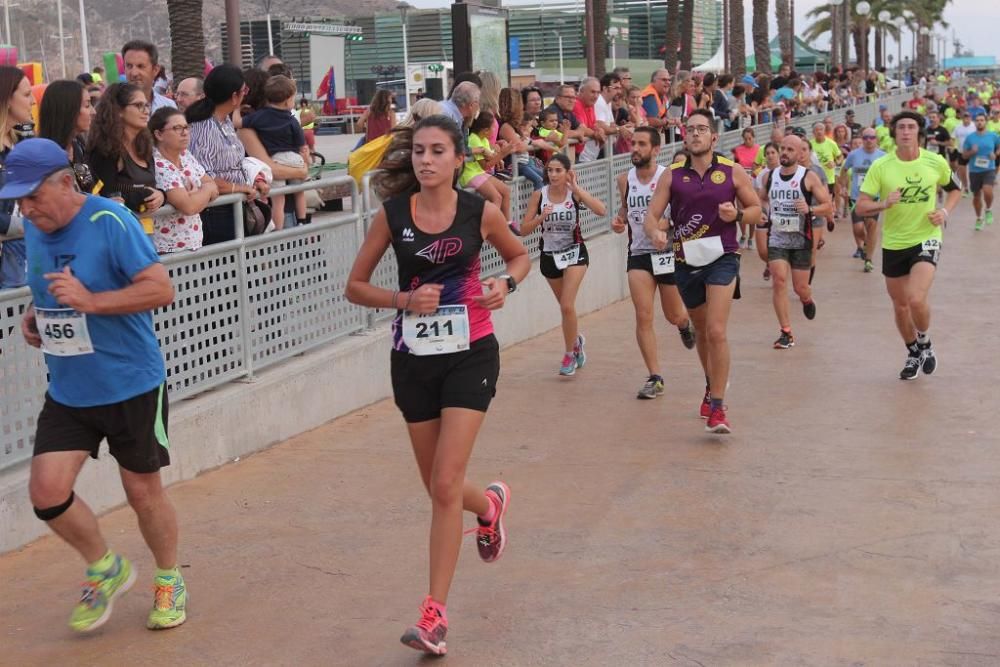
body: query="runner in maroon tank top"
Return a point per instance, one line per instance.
(702, 192)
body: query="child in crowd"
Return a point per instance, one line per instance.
(283, 138)
(527, 165)
(549, 131)
(474, 175)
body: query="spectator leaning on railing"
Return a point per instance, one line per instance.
(65, 117)
(283, 139)
(15, 109)
(120, 152)
(217, 148)
(189, 189)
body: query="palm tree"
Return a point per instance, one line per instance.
(672, 36)
(187, 38)
(761, 47)
(781, 8)
(687, 33)
(737, 40)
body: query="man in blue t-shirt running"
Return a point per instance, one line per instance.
(856, 165)
(95, 279)
(980, 149)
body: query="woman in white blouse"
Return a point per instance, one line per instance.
(189, 189)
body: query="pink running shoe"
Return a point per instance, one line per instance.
(428, 633)
(491, 539)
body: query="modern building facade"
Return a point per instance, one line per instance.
(535, 31)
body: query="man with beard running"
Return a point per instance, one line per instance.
(904, 184)
(792, 195)
(702, 192)
(649, 271)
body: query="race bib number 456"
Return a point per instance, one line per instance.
(64, 332)
(444, 331)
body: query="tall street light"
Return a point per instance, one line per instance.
(900, 24)
(403, 8)
(863, 8)
(84, 46)
(883, 18)
(613, 34)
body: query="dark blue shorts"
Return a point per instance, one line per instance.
(692, 281)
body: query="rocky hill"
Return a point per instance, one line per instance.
(110, 23)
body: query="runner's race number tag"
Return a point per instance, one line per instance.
(786, 223)
(931, 247)
(444, 331)
(663, 263)
(982, 163)
(703, 251)
(64, 332)
(568, 257)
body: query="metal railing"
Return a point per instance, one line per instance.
(247, 304)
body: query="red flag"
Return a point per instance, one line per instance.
(328, 89)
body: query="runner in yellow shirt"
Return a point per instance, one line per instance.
(904, 184)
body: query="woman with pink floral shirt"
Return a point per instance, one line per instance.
(189, 189)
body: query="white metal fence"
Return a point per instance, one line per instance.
(246, 304)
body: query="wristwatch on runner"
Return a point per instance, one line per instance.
(511, 283)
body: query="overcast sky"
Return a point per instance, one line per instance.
(974, 21)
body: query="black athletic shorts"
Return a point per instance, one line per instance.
(897, 263)
(547, 265)
(979, 179)
(799, 259)
(857, 219)
(956, 156)
(136, 430)
(423, 386)
(693, 281)
(645, 263)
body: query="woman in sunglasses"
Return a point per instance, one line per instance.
(65, 116)
(179, 174)
(120, 152)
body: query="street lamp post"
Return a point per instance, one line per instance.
(863, 8)
(900, 24)
(84, 46)
(613, 34)
(883, 18)
(403, 7)
(562, 72)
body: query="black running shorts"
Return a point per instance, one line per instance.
(547, 265)
(897, 263)
(799, 259)
(980, 179)
(136, 430)
(423, 386)
(645, 263)
(857, 219)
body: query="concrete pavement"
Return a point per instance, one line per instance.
(849, 520)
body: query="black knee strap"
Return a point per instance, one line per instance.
(55, 512)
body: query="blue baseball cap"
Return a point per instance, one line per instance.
(29, 163)
(749, 81)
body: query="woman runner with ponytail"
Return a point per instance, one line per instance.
(445, 360)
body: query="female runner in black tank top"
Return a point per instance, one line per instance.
(564, 259)
(445, 360)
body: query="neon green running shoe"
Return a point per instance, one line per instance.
(979, 224)
(99, 593)
(169, 602)
(989, 218)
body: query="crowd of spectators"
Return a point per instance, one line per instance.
(148, 143)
